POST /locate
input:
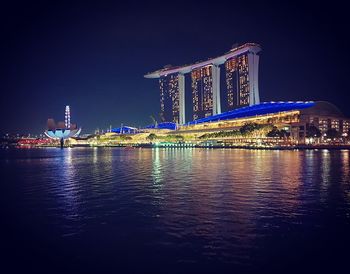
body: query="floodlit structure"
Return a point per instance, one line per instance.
(62, 130)
(241, 65)
(295, 117)
(125, 130)
(164, 125)
(62, 133)
(67, 117)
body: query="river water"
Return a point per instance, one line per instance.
(116, 210)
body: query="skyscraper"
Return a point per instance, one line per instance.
(202, 92)
(241, 80)
(169, 98)
(241, 66)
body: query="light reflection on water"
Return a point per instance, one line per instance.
(215, 205)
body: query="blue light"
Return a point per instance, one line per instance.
(124, 130)
(260, 109)
(164, 125)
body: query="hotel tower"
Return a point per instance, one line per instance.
(241, 66)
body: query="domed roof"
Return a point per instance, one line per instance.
(323, 108)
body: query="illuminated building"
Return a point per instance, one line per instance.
(242, 80)
(171, 94)
(164, 125)
(202, 92)
(296, 117)
(125, 130)
(62, 130)
(325, 116)
(205, 91)
(241, 64)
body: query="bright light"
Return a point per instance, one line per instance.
(67, 117)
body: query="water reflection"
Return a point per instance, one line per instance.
(222, 196)
(325, 170)
(345, 166)
(216, 204)
(156, 169)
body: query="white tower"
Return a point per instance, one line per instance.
(67, 117)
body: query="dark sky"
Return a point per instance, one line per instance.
(93, 55)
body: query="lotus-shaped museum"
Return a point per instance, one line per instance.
(62, 133)
(62, 130)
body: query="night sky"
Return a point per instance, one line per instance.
(92, 56)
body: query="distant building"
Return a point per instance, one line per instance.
(240, 80)
(241, 64)
(125, 130)
(202, 92)
(169, 98)
(324, 116)
(62, 130)
(294, 117)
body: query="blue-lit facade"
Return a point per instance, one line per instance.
(255, 110)
(125, 130)
(295, 118)
(164, 125)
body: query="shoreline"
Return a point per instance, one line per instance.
(176, 146)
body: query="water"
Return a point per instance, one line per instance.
(115, 210)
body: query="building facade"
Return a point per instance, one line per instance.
(294, 117)
(237, 82)
(241, 80)
(202, 92)
(241, 64)
(324, 116)
(169, 98)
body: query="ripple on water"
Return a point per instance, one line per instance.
(188, 204)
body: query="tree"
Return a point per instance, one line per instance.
(313, 132)
(151, 137)
(248, 128)
(274, 132)
(332, 133)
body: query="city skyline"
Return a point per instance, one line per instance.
(174, 137)
(94, 57)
